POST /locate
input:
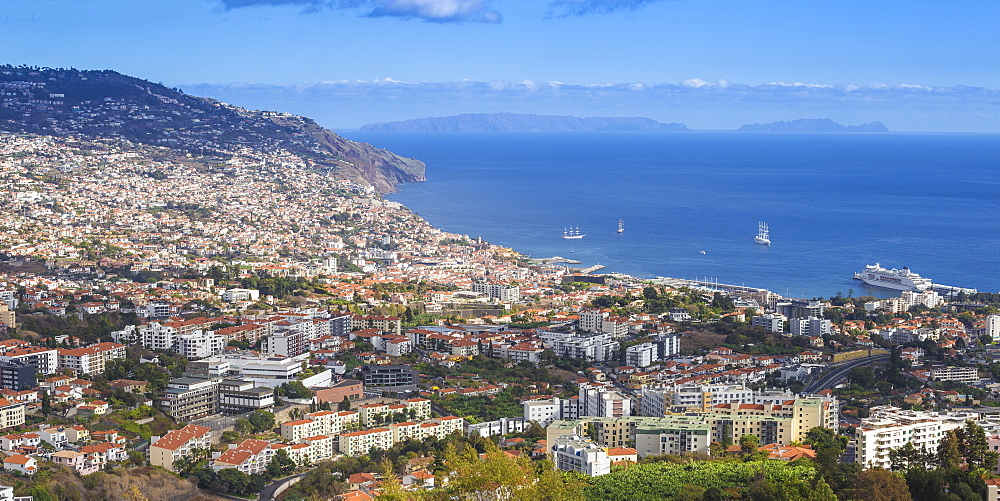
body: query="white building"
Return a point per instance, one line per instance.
(950, 373)
(603, 400)
(90, 360)
(501, 426)
(928, 298)
(546, 411)
(235, 295)
(657, 402)
(500, 292)
(265, 371)
(199, 344)
(642, 355)
(157, 336)
(592, 320)
(573, 453)
(593, 346)
(993, 326)
(773, 322)
(616, 326)
(810, 326)
(288, 343)
(889, 428)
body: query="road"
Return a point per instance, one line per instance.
(268, 493)
(833, 378)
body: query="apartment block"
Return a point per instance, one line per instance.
(163, 451)
(357, 443)
(90, 360)
(889, 428)
(573, 453)
(11, 414)
(250, 456)
(590, 346)
(190, 398)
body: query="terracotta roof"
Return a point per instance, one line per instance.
(176, 438)
(17, 459)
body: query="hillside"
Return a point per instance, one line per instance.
(106, 104)
(517, 122)
(813, 125)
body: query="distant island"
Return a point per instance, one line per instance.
(519, 122)
(813, 125)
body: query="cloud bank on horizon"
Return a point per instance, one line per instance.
(701, 104)
(442, 11)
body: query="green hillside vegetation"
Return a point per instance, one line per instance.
(731, 480)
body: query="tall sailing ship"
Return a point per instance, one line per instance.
(621, 226)
(572, 233)
(762, 234)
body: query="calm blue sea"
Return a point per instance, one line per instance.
(834, 202)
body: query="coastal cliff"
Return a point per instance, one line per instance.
(106, 104)
(518, 122)
(813, 125)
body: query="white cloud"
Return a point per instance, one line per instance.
(696, 83)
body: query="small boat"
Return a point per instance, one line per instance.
(572, 234)
(621, 226)
(702, 252)
(762, 234)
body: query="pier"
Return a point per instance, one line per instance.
(590, 269)
(951, 290)
(556, 260)
(683, 282)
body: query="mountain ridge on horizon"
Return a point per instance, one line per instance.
(105, 104)
(523, 122)
(813, 125)
(527, 122)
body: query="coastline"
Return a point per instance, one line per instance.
(549, 181)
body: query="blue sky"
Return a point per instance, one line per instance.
(913, 64)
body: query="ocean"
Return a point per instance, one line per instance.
(833, 202)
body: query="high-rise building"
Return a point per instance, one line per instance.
(17, 375)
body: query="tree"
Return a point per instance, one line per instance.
(880, 485)
(906, 457)
(949, 453)
(284, 463)
(234, 480)
(749, 444)
(243, 426)
(975, 447)
(46, 403)
(261, 421)
(821, 491)
(345, 404)
(295, 389)
(829, 448)
(390, 488)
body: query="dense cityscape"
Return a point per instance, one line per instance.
(219, 320)
(155, 315)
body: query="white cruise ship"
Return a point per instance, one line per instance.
(901, 280)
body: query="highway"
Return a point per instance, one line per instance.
(833, 378)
